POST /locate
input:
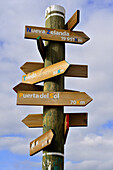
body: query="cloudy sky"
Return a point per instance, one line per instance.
(88, 148)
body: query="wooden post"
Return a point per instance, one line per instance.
(53, 117)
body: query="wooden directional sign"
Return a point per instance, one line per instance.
(72, 71)
(33, 120)
(41, 142)
(27, 87)
(45, 73)
(75, 120)
(77, 71)
(32, 87)
(61, 35)
(29, 67)
(40, 98)
(73, 21)
(78, 119)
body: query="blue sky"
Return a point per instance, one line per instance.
(88, 148)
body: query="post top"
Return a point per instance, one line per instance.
(56, 9)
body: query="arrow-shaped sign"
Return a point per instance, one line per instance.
(52, 98)
(31, 87)
(27, 87)
(75, 120)
(72, 71)
(73, 21)
(61, 35)
(41, 142)
(29, 67)
(45, 73)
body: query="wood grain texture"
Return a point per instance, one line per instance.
(27, 87)
(53, 117)
(33, 120)
(29, 67)
(77, 71)
(53, 98)
(59, 35)
(73, 70)
(32, 87)
(73, 21)
(75, 120)
(41, 142)
(46, 73)
(78, 119)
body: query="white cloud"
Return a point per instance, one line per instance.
(17, 145)
(14, 144)
(91, 152)
(93, 165)
(83, 165)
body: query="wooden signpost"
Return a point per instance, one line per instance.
(72, 71)
(41, 142)
(75, 120)
(60, 35)
(45, 73)
(53, 98)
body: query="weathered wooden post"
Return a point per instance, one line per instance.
(53, 117)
